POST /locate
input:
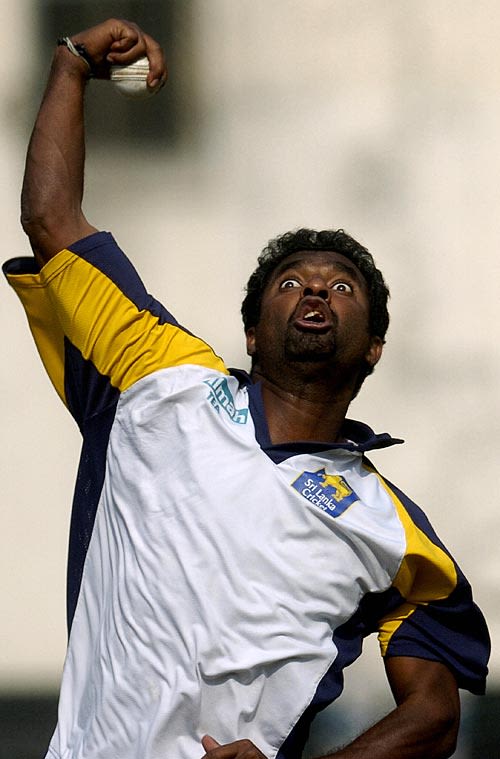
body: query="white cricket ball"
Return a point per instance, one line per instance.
(130, 80)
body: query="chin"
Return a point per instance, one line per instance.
(309, 357)
(306, 347)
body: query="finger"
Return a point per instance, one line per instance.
(157, 66)
(128, 43)
(209, 743)
(243, 749)
(126, 38)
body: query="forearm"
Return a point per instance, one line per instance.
(415, 730)
(52, 192)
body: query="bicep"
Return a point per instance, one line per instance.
(430, 682)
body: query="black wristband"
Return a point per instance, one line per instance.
(79, 50)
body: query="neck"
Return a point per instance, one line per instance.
(303, 408)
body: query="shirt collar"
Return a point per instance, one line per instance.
(358, 436)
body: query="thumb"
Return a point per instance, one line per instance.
(209, 743)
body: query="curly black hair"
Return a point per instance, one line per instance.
(309, 239)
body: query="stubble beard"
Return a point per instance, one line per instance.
(309, 347)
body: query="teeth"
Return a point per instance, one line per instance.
(313, 315)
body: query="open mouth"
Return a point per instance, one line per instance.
(316, 317)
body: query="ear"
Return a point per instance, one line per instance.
(251, 341)
(374, 352)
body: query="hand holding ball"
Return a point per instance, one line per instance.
(130, 80)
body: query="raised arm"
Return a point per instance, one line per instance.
(51, 202)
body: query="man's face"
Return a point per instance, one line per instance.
(315, 308)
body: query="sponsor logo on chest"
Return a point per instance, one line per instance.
(221, 397)
(330, 492)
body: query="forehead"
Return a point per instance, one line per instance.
(324, 261)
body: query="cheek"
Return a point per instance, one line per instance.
(356, 325)
(266, 334)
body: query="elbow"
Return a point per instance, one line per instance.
(443, 722)
(49, 231)
(449, 735)
(43, 215)
(41, 232)
(35, 226)
(37, 217)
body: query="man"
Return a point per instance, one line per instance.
(231, 546)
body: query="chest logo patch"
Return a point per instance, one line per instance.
(221, 397)
(330, 492)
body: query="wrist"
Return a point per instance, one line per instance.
(79, 50)
(75, 64)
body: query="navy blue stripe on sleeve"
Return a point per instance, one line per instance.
(101, 251)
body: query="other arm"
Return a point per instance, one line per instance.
(424, 724)
(51, 210)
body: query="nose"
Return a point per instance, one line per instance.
(317, 286)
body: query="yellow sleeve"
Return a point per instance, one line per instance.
(72, 299)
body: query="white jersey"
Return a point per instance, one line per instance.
(217, 584)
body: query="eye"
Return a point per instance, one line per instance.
(342, 287)
(288, 284)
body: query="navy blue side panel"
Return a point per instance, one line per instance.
(87, 392)
(92, 401)
(101, 250)
(89, 484)
(328, 690)
(348, 639)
